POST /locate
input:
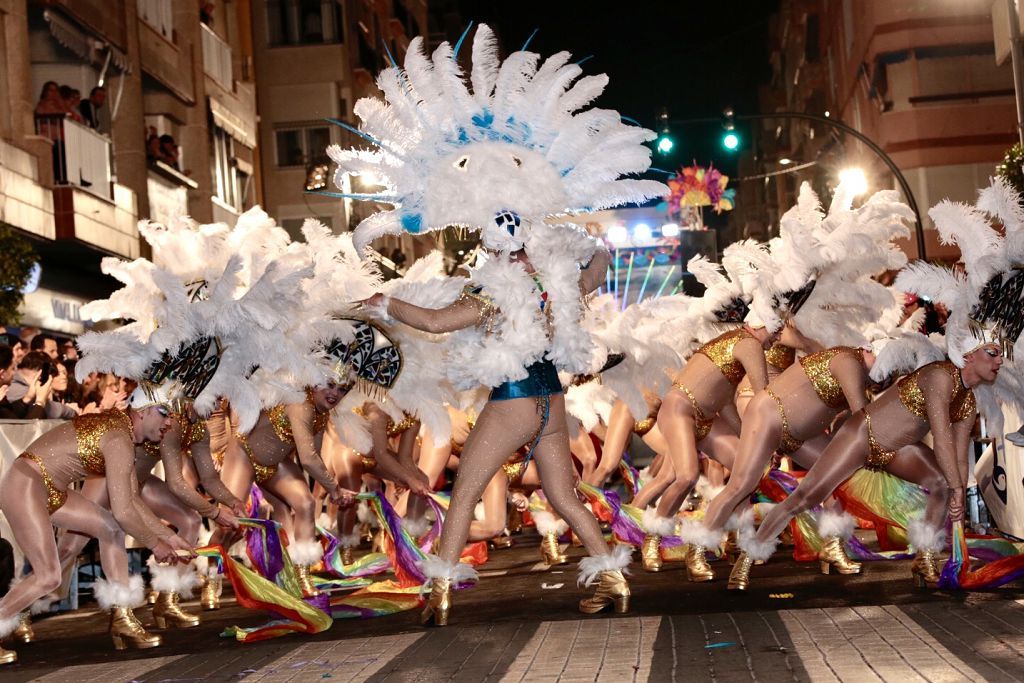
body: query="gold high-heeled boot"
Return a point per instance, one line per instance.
(739, 577)
(305, 581)
(366, 532)
(167, 610)
(612, 591)
(439, 603)
(24, 632)
(550, 551)
(209, 598)
(126, 631)
(650, 553)
(697, 568)
(925, 570)
(832, 557)
(347, 556)
(731, 547)
(501, 541)
(151, 597)
(8, 656)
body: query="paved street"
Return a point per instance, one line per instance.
(520, 624)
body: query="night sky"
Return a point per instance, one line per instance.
(695, 58)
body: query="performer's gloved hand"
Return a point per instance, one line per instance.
(173, 549)
(225, 518)
(417, 482)
(377, 306)
(342, 497)
(955, 506)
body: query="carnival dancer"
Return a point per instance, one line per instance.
(936, 398)
(791, 414)
(35, 494)
(504, 159)
(174, 500)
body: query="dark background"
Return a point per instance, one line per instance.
(695, 58)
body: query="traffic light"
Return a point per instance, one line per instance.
(664, 143)
(730, 139)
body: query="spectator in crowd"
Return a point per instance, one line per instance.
(27, 333)
(169, 151)
(71, 98)
(34, 393)
(70, 351)
(90, 108)
(45, 343)
(37, 367)
(50, 101)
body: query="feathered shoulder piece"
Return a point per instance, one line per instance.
(500, 151)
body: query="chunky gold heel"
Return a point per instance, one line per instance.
(697, 568)
(550, 552)
(210, 596)
(833, 557)
(24, 632)
(305, 581)
(612, 591)
(731, 547)
(925, 570)
(650, 553)
(167, 610)
(347, 556)
(8, 656)
(438, 604)
(739, 577)
(126, 631)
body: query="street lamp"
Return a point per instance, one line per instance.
(854, 178)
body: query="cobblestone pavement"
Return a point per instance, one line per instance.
(520, 625)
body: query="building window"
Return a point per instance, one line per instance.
(230, 183)
(302, 145)
(304, 22)
(160, 15)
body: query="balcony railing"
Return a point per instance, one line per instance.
(81, 156)
(160, 15)
(217, 58)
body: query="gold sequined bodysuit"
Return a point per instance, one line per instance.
(394, 429)
(641, 427)
(720, 351)
(89, 431)
(962, 404)
(780, 356)
(787, 442)
(817, 366)
(282, 427)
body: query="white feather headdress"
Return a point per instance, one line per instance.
(501, 153)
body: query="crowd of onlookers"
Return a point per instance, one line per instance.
(63, 100)
(162, 148)
(37, 380)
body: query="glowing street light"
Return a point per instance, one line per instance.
(665, 144)
(617, 234)
(785, 161)
(731, 141)
(670, 230)
(641, 232)
(856, 180)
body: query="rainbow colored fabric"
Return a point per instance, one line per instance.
(958, 575)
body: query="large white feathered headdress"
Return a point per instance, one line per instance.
(512, 147)
(986, 299)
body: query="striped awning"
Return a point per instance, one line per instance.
(86, 46)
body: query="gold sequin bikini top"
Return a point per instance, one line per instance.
(828, 389)
(961, 402)
(396, 429)
(720, 349)
(780, 356)
(89, 429)
(283, 427)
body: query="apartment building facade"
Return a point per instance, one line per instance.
(919, 78)
(168, 69)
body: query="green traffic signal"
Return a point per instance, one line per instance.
(665, 144)
(731, 141)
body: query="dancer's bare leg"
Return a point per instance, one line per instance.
(289, 485)
(616, 439)
(495, 510)
(157, 495)
(558, 480)
(503, 426)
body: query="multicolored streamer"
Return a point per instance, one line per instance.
(957, 573)
(367, 565)
(630, 476)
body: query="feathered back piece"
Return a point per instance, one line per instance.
(986, 298)
(512, 146)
